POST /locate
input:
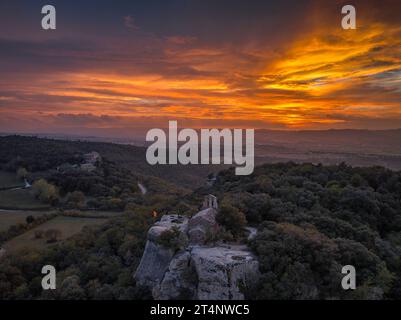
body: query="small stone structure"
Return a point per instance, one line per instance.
(92, 157)
(210, 201)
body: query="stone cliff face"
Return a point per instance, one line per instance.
(196, 270)
(156, 258)
(201, 224)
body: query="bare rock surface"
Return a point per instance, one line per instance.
(179, 281)
(197, 271)
(224, 272)
(156, 257)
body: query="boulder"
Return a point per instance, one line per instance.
(201, 224)
(153, 265)
(179, 281)
(209, 273)
(224, 273)
(197, 270)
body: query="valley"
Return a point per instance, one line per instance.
(89, 208)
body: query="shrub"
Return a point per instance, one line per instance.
(53, 235)
(231, 218)
(173, 239)
(45, 191)
(76, 199)
(39, 234)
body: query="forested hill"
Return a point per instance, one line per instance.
(39, 154)
(312, 220)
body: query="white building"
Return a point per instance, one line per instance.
(92, 157)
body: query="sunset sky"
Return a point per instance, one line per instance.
(112, 66)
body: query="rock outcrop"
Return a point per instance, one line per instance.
(224, 273)
(201, 224)
(156, 257)
(179, 281)
(197, 270)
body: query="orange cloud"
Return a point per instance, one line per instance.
(324, 78)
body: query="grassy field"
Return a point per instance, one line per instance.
(92, 214)
(21, 199)
(9, 179)
(67, 225)
(8, 218)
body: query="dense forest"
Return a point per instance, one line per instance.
(98, 263)
(311, 221)
(314, 219)
(38, 154)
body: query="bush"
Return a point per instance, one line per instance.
(45, 191)
(231, 218)
(76, 199)
(53, 235)
(173, 239)
(39, 234)
(29, 219)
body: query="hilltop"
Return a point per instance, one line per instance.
(308, 220)
(311, 220)
(38, 154)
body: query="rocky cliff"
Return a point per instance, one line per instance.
(191, 268)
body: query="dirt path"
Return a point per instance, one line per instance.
(142, 188)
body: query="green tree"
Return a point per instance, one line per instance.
(29, 219)
(45, 191)
(76, 199)
(231, 218)
(22, 173)
(71, 289)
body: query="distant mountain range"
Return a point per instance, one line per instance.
(352, 146)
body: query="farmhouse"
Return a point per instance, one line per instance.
(92, 157)
(88, 167)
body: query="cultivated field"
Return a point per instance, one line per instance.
(68, 226)
(92, 214)
(21, 199)
(9, 179)
(10, 218)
